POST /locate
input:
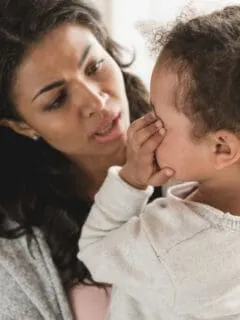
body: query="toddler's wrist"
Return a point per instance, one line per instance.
(126, 174)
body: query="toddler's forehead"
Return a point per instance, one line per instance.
(168, 80)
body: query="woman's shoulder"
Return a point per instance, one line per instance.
(29, 282)
(23, 250)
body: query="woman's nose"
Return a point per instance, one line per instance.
(96, 103)
(92, 99)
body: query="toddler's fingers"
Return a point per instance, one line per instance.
(140, 137)
(161, 177)
(153, 142)
(142, 122)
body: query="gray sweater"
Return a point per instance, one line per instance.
(30, 287)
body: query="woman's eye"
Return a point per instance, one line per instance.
(57, 102)
(94, 67)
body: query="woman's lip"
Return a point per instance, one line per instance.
(114, 133)
(106, 123)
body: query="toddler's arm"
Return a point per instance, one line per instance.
(112, 238)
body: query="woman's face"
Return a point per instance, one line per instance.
(71, 93)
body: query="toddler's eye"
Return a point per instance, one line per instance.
(155, 161)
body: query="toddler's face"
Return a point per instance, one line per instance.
(191, 160)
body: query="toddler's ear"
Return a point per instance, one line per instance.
(226, 148)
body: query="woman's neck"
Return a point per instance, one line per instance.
(93, 170)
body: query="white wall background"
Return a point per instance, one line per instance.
(122, 17)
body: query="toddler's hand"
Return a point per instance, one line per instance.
(143, 137)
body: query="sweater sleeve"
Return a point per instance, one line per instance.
(14, 301)
(114, 243)
(30, 287)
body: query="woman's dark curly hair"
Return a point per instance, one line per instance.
(36, 183)
(205, 51)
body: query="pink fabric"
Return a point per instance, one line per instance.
(89, 303)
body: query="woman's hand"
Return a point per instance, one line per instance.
(141, 169)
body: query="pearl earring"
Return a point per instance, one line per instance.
(35, 137)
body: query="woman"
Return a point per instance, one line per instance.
(66, 103)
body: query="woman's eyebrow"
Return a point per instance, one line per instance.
(49, 87)
(59, 83)
(84, 55)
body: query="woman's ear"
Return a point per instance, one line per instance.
(226, 147)
(19, 127)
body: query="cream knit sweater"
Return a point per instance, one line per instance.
(169, 260)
